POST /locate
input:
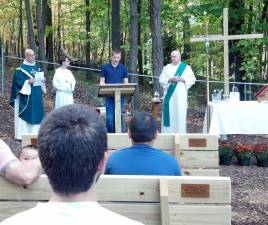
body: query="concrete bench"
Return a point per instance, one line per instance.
(196, 153)
(154, 200)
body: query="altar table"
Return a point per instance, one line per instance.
(244, 117)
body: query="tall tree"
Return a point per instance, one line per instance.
(264, 20)
(87, 2)
(115, 24)
(20, 40)
(59, 44)
(186, 37)
(41, 33)
(157, 48)
(140, 65)
(47, 15)
(235, 27)
(30, 24)
(133, 52)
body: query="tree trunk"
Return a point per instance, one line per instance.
(157, 48)
(41, 32)
(264, 20)
(140, 65)
(186, 38)
(20, 41)
(133, 52)
(115, 24)
(30, 25)
(235, 27)
(47, 15)
(109, 27)
(59, 30)
(87, 2)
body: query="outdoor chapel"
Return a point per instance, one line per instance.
(199, 67)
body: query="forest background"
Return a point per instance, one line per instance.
(145, 30)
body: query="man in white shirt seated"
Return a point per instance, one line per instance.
(72, 144)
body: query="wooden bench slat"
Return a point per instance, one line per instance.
(147, 213)
(200, 215)
(148, 199)
(184, 147)
(200, 172)
(199, 159)
(135, 188)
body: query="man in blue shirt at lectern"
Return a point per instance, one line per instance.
(113, 73)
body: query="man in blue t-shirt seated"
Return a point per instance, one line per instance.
(141, 158)
(113, 73)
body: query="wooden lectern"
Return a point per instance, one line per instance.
(117, 90)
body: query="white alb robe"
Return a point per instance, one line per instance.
(64, 84)
(178, 102)
(21, 126)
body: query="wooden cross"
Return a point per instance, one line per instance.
(225, 37)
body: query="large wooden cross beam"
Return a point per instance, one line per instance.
(225, 37)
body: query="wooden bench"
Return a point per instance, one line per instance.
(197, 153)
(151, 200)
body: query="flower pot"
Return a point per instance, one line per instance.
(226, 160)
(262, 163)
(245, 161)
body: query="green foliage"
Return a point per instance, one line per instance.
(175, 15)
(251, 65)
(243, 151)
(261, 151)
(226, 149)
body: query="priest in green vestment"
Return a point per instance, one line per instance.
(176, 78)
(27, 97)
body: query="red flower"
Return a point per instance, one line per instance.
(261, 151)
(244, 150)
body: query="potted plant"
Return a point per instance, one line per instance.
(261, 154)
(226, 153)
(243, 154)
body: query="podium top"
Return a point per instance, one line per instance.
(109, 89)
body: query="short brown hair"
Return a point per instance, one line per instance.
(62, 59)
(116, 51)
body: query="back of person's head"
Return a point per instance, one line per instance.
(72, 141)
(142, 127)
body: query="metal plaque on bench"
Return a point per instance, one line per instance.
(197, 142)
(195, 190)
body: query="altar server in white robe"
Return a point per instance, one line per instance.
(64, 84)
(176, 78)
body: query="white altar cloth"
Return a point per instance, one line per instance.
(244, 117)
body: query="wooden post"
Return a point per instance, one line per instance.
(155, 107)
(118, 127)
(226, 51)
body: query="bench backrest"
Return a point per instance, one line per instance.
(151, 200)
(196, 153)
